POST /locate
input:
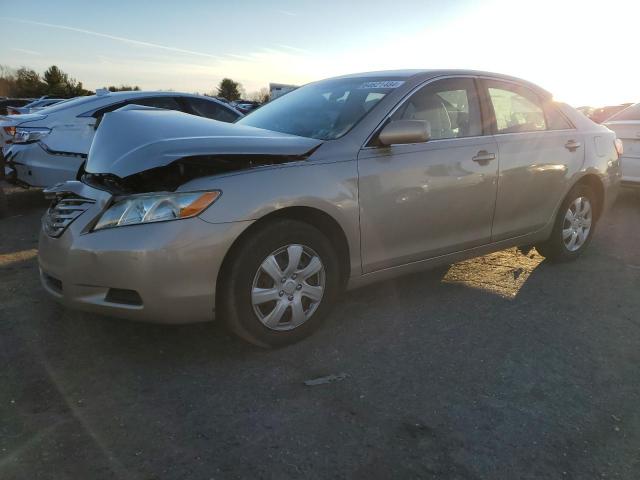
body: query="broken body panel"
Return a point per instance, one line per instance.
(161, 150)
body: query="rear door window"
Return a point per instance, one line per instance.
(169, 103)
(211, 109)
(516, 109)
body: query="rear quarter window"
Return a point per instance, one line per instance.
(555, 119)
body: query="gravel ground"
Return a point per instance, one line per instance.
(504, 367)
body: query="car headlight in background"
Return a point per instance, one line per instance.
(29, 134)
(155, 207)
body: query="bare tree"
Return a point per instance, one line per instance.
(261, 96)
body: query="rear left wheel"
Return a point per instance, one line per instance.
(573, 228)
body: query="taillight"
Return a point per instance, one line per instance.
(11, 131)
(619, 146)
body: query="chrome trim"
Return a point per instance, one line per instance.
(62, 212)
(536, 131)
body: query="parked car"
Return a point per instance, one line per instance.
(586, 111)
(50, 146)
(246, 106)
(599, 115)
(15, 102)
(339, 183)
(626, 125)
(31, 107)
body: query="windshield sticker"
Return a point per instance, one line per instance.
(381, 84)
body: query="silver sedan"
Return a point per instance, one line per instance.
(337, 184)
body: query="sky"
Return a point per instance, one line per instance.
(584, 52)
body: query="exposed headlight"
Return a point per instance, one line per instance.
(155, 208)
(29, 134)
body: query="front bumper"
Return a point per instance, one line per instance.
(171, 267)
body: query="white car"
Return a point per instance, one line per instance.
(34, 106)
(626, 124)
(48, 147)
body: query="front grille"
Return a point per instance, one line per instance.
(62, 212)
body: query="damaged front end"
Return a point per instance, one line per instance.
(140, 151)
(170, 177)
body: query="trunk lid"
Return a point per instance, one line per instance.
(14, 120)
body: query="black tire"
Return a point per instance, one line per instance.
(234, 294)
(554, 249)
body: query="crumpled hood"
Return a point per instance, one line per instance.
(133, 140)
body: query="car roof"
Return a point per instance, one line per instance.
(103, 98)
(146, 93)
(425, 74)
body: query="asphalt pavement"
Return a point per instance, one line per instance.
(502, 367)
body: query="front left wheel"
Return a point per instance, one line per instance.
(279, 284)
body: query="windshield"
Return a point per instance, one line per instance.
(324, 110)
(629, 113)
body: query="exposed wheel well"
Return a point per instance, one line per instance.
(593, 182)
(317, 218)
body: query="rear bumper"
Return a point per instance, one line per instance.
(630, 171)
(37, 167)
(163, 272)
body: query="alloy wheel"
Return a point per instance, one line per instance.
(288, 287)
(577, 224)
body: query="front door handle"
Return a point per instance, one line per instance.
(572, 145)
(483, 157)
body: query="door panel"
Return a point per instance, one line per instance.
(423, 200)
(534, 171)
(539, 152)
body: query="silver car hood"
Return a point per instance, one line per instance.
(134, 140)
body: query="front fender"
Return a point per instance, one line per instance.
(252, 194)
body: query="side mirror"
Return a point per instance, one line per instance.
(405, 131)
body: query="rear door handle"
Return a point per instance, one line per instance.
(572, 145)
(483, 157)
